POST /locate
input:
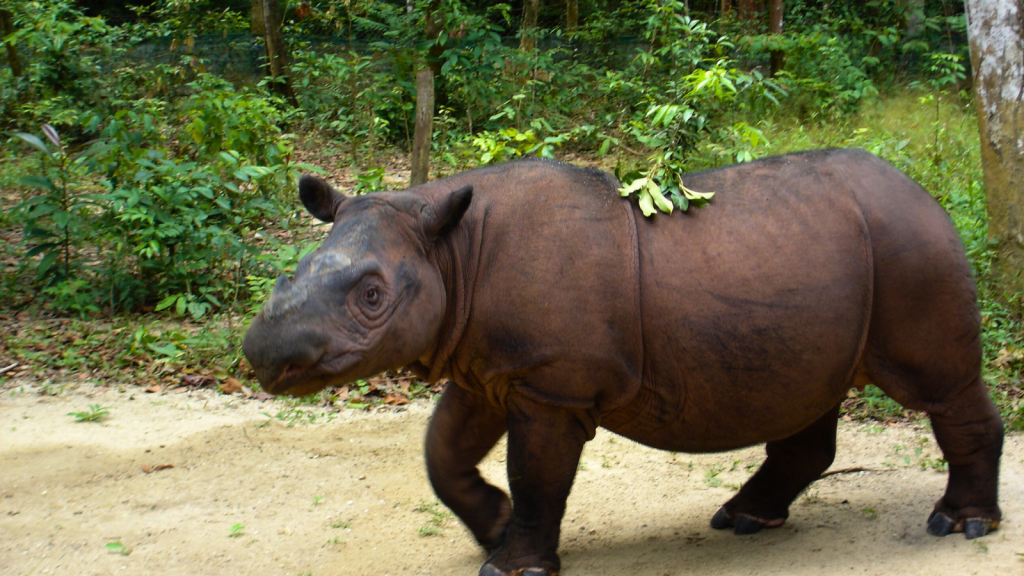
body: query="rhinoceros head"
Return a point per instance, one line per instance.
(368, 299)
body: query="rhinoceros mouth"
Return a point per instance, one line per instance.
(297, 380)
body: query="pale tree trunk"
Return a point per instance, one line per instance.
(277, 54)
(527, 42)
(996, 32)
(424, 130)
(572, 15)
(778, 57)
(914, 11)
(12, 50)
(424, 126)
(256, 24)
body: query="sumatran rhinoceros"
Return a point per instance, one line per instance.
(554, 307)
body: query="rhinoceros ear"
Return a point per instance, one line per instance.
(443, 215)
(319, 198)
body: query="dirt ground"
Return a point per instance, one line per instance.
(249, 494)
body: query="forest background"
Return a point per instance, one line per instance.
(151, 150)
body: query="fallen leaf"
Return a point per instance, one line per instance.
(396, 400)
(197, 380)
(157, 468)
(153, 389)
(264, 396)
(246, 392)
(230, 386)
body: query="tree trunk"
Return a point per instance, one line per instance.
(748, 10)
(527, 42)
(277, 54)
(424, 130)
(572, 15)
(914, 11)
(424, 126)
(726, 6)
(256, 23)
(778, 57)
(996, 32)
(12, 50)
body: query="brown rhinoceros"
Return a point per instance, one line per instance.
(555, 307)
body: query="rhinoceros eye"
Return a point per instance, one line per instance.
(372, 296)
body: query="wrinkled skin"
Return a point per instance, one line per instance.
(555, 307)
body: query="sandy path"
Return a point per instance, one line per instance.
(67, 489)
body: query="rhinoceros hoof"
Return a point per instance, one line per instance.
(940, 524)
(742, 524)
(492, 570)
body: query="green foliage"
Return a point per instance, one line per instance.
(95, 413)
(65, 54)
(439, 518)
(170, 188)
(116, 547)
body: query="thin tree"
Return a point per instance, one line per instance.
(572, 15)
(995, 29)
(429, 68)
(748, 10)
(256, 24)
(778, 57)
(12, 50)
(528, 41)
(277, 53)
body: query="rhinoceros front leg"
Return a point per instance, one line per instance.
(462, 430)
(544, 447)
(792, 464)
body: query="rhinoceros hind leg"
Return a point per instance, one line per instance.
(462, 430)
(970, 433)
(792, 464)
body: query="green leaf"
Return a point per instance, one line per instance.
(40, 248)
(167, 302)
(61, 218)
(647, 203)
(659, 199)
(38, 182)
(181, 305)
(47, 262)
(169, 350)
(633, 186)
(694, 195)
(34, 142)
(680, 201)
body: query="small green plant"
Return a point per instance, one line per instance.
(711, 475)
(95, 413)
(870, 513)
(936, 464)
(116, 547)
(237, 530)
(317, 499)
(343, 524)
(438, 518)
